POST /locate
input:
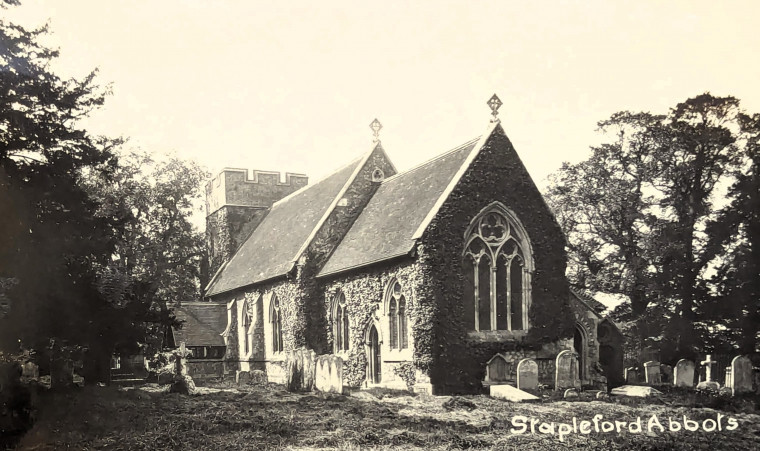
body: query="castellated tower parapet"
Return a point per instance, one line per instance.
(259, 189)
(236, 202)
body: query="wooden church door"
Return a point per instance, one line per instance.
(373, 359)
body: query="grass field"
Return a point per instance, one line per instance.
(270, 418)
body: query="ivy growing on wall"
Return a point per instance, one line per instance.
(496, 175)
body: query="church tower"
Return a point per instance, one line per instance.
(236, 202)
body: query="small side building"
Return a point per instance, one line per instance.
(203, 326)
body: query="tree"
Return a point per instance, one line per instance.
(635, 213)
(157, 258)
(734, 241)
(604, 206)
(51, 238)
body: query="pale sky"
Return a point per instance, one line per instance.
(293, 86)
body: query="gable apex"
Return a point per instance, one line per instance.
(492, 128)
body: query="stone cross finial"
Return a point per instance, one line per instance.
(708, 364)
(376, 126)
(494, 102)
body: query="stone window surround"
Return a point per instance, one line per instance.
(245, 310)
(471, 233)
(338, 328)
(384, 326)
(271, 354)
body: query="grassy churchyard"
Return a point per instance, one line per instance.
(256, 417)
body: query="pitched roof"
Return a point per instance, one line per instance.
(387, 226)
(277, 243)
(592, 304)
(203, 324)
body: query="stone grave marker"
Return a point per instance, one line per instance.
(570, 393)
(741, 375)
(683, 374)
(527, 374)
(709, 383)
(243, 377)
(666, 374)
(30, 371)
(727, 383)
(652, 373)
(497, 369)
(566, 371)
(631, 375)
(308, 369)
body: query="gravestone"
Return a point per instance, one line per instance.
(307, 369)
(683, 374)
(329, 374)
(570, 393)
(527, 374)
(566, 373)
(497, 369)
(510, 393)
(292, 378)
(666, 374)
(243, 378)
(637, 391)
(631, 376)
(727, 383)
(336, 374)
(741, 375)
(708, 364)
(30, 371)
(652, 373)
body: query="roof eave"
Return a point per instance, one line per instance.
(366, 264)
(252, 284)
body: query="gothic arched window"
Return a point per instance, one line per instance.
(276, 320)
(397, 320)
(247, 335)
(497, 268)
(340, 323)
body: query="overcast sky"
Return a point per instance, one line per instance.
(293, 86)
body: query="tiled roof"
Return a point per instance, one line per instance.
(386, 227)
(203, 324)
(274, 245)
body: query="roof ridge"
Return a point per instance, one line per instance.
(305, 188)
(431, 160)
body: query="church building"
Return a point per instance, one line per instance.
(417, 278)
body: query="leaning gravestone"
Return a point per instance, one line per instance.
(566, 373)
(527, 374)
(652, 373)
(683, 374)
(741, 375)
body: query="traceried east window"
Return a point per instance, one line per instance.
(276, 320)
(341, 341)
(496, 265)
(397, 319)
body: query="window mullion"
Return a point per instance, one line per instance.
(475, 268)
(509, 293)
(493, 294)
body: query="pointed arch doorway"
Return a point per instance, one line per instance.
(374, 367)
